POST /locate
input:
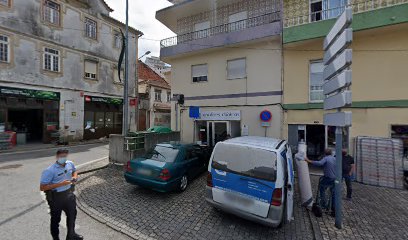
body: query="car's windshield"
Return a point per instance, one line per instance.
(162, 153)
(247, 161)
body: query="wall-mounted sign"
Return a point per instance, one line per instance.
(265, 116)
(194, 112)
(114, 101)
(74, 114)
(232, 115)
(18, 92)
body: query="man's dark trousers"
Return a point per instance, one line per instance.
(64, 201)
(326, 183)
(348, 179)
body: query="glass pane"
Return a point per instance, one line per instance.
(246, 161)
(89, 120)
(100, 119)
(109, 119)
(236, 68)
(118, 119)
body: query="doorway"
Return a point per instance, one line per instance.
(27, 122)
(218, 131)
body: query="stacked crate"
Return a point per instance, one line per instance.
(379, 161)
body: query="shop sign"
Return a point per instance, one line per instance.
(38, 94)
(114, 101)
(233, 115)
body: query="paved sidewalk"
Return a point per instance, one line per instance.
(374, 213)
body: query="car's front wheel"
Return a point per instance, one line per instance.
(183, 183)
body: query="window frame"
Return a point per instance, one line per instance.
(96, 70)
(158, 92)
(52, 59)
(192, 74)
(168, 96)
(237, 59)
(116, 35)
(7, 4)
(88, 20)
(47, 20)
(7, 43)
(310, 81)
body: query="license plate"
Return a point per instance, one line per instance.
(237, 199)
(142, 171)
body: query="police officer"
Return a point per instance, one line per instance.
(57, 182)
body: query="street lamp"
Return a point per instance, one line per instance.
(146, 53)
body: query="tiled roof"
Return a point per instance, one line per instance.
(149, 76)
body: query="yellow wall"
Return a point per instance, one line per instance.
(263, 75)
(380, 71)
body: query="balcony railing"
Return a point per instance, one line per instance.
(358, 6)
(225, 28)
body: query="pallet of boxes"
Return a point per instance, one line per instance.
(379, 161)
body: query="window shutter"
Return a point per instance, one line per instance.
(200, 70)
(236, 68)
(90, 67)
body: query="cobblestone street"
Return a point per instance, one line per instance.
(374, 213)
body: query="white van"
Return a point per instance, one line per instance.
(252, 177)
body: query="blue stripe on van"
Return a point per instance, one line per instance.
(249, 187)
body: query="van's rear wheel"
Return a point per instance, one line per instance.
(183, 183)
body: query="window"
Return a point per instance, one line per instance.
(51, 60)
(241, 160)
(90, 28)
(236, 68)
(157, 95)
(116, 76)
(199, 73)
(4, 49)
(52, 12)
(117, 40)
(237, 22)
(400, 132)
(90, 69)
(168, 96)
(5, 3)
(202, 30)
(316, 82)
(326, 9)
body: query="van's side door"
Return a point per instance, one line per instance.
(290, 185)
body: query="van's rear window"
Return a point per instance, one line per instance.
(247, 161)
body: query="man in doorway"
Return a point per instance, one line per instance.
(57, 181)
(328, 162)
(348, 169)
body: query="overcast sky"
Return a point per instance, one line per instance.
(142, 17)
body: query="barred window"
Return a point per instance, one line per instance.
(52, 12)
(90, 28)
(4, 49)
(51, 60)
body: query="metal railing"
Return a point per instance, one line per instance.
(358, 6)
(224, 28)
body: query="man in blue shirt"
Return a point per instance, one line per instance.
(327, 181)
(56, 182)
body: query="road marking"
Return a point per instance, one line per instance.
(51, 148)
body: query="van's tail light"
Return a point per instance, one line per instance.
(209, 180)
(128, 168)
(277, 197)
(165, 175)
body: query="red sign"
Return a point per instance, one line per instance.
(87, 99)
(132, 102)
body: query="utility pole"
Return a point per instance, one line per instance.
(126, 84)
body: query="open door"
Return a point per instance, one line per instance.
(290, 187)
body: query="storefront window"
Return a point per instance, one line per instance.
(118, 119)
(401, 132)
(89, 120)
(100, 119)
(2, 120)
(109, 119)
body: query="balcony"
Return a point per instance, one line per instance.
(258, 27)
(305, 19)
(301, 12)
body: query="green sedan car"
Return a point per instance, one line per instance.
(168, 166)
